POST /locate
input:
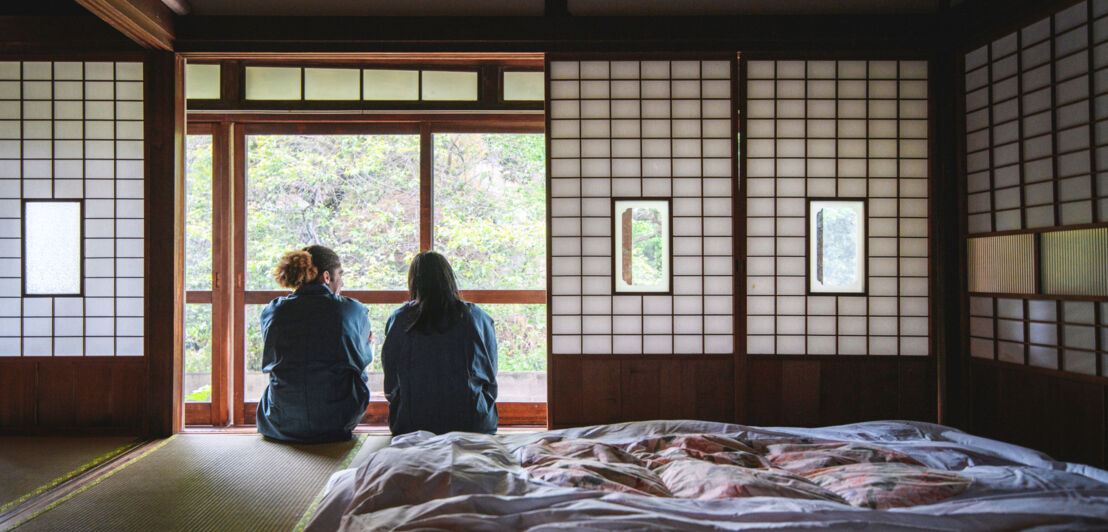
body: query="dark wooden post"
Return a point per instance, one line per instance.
(164, 269)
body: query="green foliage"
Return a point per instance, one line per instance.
(359, 194)
(490, 201)
(202, 394)
(198, 213)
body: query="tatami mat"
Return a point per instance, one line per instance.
(204, 482)
(32, 464)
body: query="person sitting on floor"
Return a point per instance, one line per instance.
(316, 351)
(439, 356)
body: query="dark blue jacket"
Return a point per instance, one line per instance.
(316, 352)
(444, 380)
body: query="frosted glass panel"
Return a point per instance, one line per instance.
(523, 86)
(272, 83)
(837, 248)
(52, 247)
(330, 84)
(642, 254)
(202, 82)
(390, 84)
(453, 86)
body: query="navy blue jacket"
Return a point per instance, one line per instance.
(316, 352)
(444, 380)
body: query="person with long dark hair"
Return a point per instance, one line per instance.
(439, 356)
(316, 352)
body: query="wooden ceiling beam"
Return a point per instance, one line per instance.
(231, 34)
(147, 22)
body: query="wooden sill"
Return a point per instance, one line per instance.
(377, 415)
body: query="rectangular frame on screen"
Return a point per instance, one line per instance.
(81, 243)
(808, 247)
(669, 242)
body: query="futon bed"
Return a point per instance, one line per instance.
(695, 475)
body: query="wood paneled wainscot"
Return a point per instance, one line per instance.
(594, 389)
(59, 393)
(816, 391)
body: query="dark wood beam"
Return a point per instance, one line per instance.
(69, 34)
(164, 270)
(887, 33)
(147, 22)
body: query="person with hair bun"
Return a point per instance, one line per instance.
(316, 351)
(439, 356)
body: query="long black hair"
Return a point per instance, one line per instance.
(433, 291)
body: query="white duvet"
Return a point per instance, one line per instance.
(464, 481)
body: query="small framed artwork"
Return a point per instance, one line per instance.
(836, 246)
(641, 245)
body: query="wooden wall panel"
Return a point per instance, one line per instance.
(1061, 415)
(596, 389)
(17, 392)
(45, 394)
(56, 393)
(818, 391)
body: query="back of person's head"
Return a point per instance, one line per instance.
(433, 291)
(305, 266)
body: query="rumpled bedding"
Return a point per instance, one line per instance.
(694, 475)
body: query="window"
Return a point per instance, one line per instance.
(641, 245)
(364, 189)
(198, 267)
(52, 249)
(836, 246)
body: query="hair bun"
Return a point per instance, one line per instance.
(294, 269)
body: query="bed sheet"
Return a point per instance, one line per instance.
(480, 482)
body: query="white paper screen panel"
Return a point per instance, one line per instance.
(837, 129)
(1034, 124)
(74, 131)
(641, 129)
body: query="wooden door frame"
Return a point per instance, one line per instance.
(229, 299)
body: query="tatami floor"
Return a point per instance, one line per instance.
(226, 479)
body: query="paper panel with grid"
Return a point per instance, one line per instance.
(837, 129)
(1034, 124)
(74, 130)
(641, 129)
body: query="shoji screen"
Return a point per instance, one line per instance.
(1036, 196)
(837, 129)
(73, 131)
(641, 129)
(647, 129)
(1036, 101)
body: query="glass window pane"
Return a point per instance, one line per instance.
(837, 247)
(272, 83)
(390, 84)
(198, 352)
(52, 247)
(521, 351)
(198, 212)
(202, 82)
(524, 86)
(490, 209)
(357, 194)
(330, 84)
(642, 245)
(454, 86)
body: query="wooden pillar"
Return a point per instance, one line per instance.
(164, 245)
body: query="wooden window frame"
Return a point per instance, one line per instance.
(229, 299)
(489, 72)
